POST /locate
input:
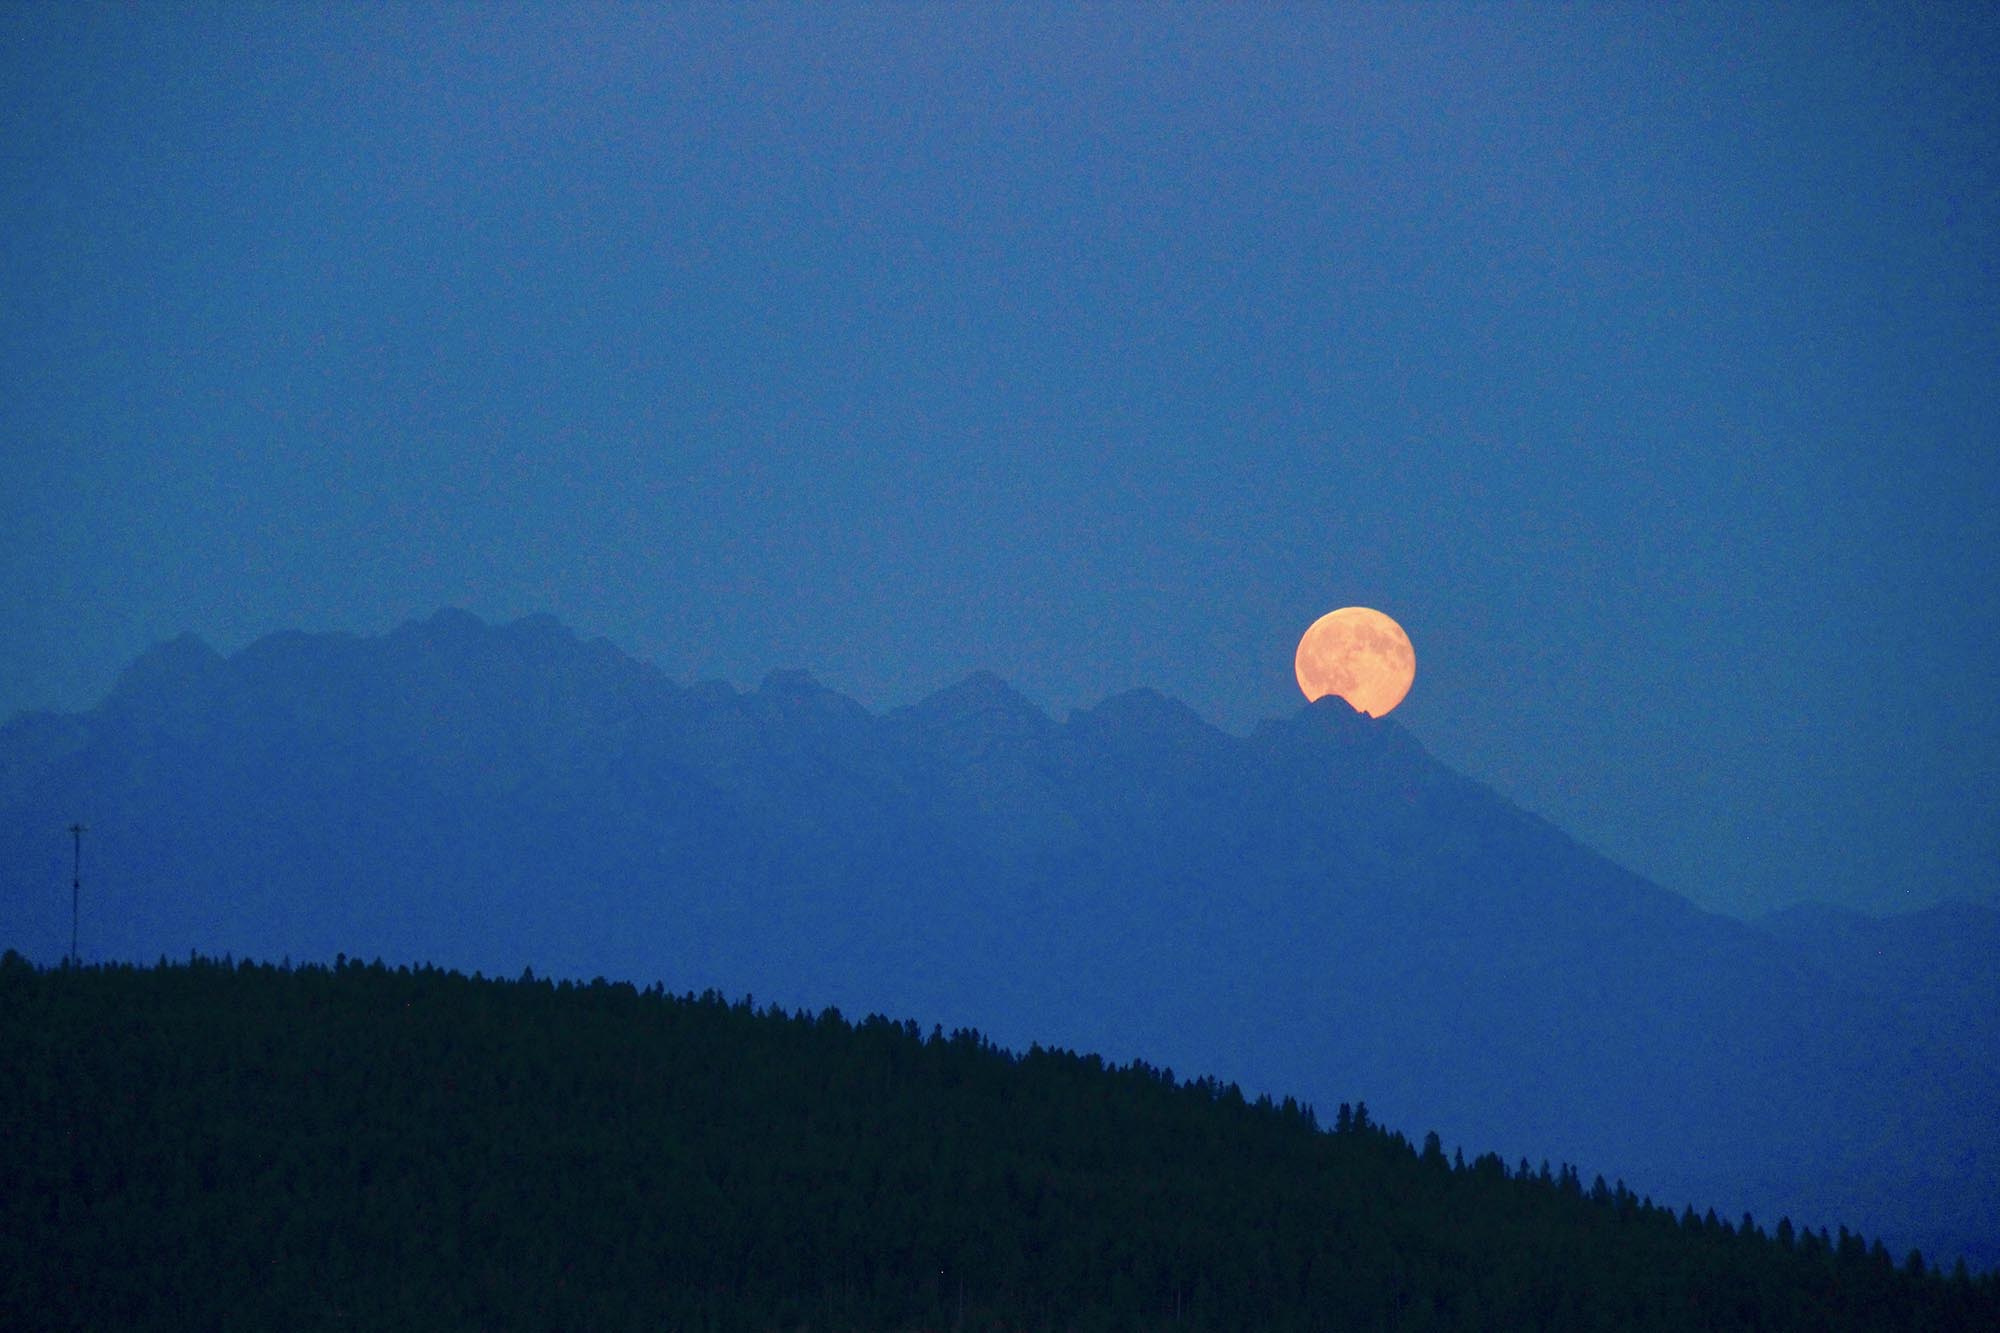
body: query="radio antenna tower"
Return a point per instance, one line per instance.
(76, 832)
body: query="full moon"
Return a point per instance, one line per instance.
(1361, 655)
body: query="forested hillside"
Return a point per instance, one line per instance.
(215, 1145)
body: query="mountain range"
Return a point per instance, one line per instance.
(1319, 909)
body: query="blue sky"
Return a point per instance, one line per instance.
(1642, 364)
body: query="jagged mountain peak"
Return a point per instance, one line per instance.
(447, 623)
(796, 698)
(981, 705)
(1330, 725)
(977, 722)
(1142, 704)
(539, 625)
(453, 628)
(792, 681)
(1143, 719)
(979, 692)
(166, 669)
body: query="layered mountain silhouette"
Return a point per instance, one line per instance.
(1319, 909)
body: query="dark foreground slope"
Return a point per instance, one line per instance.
(214, 1146)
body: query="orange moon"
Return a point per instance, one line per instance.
(1361, 655)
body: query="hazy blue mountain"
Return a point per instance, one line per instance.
(1320, 908)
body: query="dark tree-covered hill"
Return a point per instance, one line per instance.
(234, 1146)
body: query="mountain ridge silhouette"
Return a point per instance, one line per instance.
(1319, 909)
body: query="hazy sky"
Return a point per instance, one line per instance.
(1642, 364)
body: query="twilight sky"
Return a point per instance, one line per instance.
(1645, 366)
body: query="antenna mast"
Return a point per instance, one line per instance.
(76, 832)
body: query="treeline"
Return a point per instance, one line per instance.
(221, 1145)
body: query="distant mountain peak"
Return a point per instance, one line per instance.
(977, 719)
(1332, 705)
(791, 680)
(795, 693)
(981, 682)
(979, 694)
(541, 626)
(179, 655)
(448, 624)
(165, 671)
(1143, 713)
